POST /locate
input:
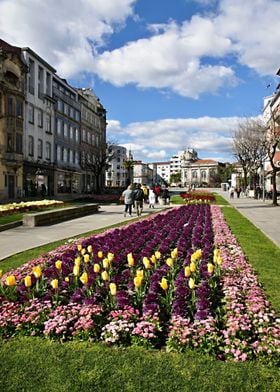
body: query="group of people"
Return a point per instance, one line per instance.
(136, 195)
(232, 190)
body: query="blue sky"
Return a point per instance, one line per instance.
(172, 74)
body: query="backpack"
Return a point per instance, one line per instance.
(139, 195)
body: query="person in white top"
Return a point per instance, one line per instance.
(152, 198)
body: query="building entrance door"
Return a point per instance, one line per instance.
(11, 187)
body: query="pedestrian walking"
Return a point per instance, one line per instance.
(152, 198)
(138, 199)
(128, 197)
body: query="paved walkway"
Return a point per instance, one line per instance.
(22, 238)
(261, 213)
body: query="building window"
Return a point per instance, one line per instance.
(71, 157)
(71, 132)
(59, 105)
(58, 127)
(203, 175)
(83, 135)
(77, 135)
(10, 108)
(64, 154)
(76, 157)
(194, 174)
(30, 145)
(48, 123)
(40, 118)
(58, 153)
(31, 78)
(49, 88)
(40, 148)
(40, 82)
(19, 109)
(66, 109)
(65, 130)
(48, 150)
(18, 143)
(31, 113)
(10, 143)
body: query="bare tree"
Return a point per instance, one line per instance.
(98, 163)
(250, 148)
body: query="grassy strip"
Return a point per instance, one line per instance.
(262, 253)
(79, 366)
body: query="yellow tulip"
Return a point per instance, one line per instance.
(210, 268)
(153, 259)
(77, 261)
(89, 249)
(110, 257)
(164, 284)
(169, 262)
(187, 271)
(100, 254)
(140, 273)
(130, 259)
(79, 247)
(86, 258)
(11, 280)
(146, 262)
(157, 254)
(67, 279)
(106, 263)
(27, 281)
(192, 267)
(84, 278)
(83, 251)
(54, 283)
(219, 260)
(174, 253)
(37, 271)
(137, 281)
(96, 268)
(191, 284)
(58, 264)
(113, 288)
(1, 273)
(76, 270)
(105, 275)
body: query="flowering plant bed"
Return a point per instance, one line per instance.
(11, 208)
(177, 280)
(197, 196)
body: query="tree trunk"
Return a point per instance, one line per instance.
(274, 190)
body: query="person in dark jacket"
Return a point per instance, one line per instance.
(138, 199)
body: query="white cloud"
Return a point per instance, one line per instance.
(65, 33)
(159, 140)
(189, 59)
(252, 26)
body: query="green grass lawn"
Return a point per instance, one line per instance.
(34, 364)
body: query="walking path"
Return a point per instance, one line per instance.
(22, 238)
(16, 240)
(261, 213)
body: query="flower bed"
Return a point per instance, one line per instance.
(174, 280)
(6, 209)
(197, 197)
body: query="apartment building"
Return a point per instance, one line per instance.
(52, 135)
(116, 173)
(38, 173)
(161, 172)
(13, 69)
